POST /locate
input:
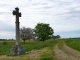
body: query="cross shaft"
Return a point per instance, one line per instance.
(16, 12)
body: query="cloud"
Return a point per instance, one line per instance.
(7, 35)
(62, 15)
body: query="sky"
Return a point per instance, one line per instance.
(62, 15)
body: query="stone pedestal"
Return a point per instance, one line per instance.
(17, 50)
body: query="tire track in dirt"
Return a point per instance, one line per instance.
(71, 51)
(66, 53)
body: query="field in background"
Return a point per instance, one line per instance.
(73, 43)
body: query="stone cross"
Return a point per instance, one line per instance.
(16, 12)
(17, 49)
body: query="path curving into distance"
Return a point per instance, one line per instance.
(66, 53)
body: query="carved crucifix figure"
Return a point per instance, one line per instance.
(16, 12)
(17, 49)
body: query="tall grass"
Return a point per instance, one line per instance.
(48, 54)
(74, 43)
(5, 47)
(31, 45)
(38, 45)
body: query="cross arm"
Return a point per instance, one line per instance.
(19, 14)
(14, 12)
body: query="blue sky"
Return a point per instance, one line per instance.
(62, 15)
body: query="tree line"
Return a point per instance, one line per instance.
(41, 32)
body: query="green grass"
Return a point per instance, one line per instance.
(38, 45)
(48, 54)
(30, 45)
(5, 48)
(73, 43)
(47, 57)
(60, 45)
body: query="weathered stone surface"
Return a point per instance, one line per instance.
(17, 50)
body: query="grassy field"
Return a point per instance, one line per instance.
(5, 46)
(41, 50)
(73, 43)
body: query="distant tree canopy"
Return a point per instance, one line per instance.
(43, 31)
(56, 37)
(26, 33)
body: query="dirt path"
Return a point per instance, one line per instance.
(66, 53)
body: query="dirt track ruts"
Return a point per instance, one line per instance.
(66, 53)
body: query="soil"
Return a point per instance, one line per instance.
(66, 53)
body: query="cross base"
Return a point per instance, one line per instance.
(17, 50)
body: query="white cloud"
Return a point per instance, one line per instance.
(7, 35)
(62, 15)
(66, 0)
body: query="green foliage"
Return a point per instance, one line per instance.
(56, 37)
(43, 31)
(74, 43)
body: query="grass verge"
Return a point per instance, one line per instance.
(73, 43)
(47, 54)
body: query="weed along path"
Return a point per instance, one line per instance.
(63, 52)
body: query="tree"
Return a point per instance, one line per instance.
(58, 36)
(43, 31)
(26, 33)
